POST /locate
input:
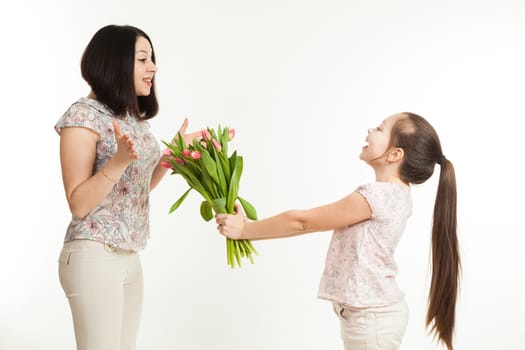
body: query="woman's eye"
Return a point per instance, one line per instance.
(143, 60)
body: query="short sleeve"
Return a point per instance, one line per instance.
(367, 192)
(83, 115)
(385, 198)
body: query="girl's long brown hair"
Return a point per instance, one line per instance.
(422, 149)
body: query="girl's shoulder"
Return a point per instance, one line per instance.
(385, 186)
(384, 196)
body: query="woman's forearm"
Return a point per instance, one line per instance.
(158, 174)
(86, 196)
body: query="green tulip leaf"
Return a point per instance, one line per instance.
(206, 211)
(219, 205)
(179, 201)
(209, 165)
(223, 186)
(234, 185)
(233, 160)
(225, 164)
(249, 209)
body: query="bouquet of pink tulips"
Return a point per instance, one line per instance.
(207, 168)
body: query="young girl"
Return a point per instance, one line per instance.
(360, 271)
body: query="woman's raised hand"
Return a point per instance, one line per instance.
(188, 138)
(126, 152)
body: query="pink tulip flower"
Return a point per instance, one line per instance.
(186, 153)
(167, 152)
(231, 134)
(196, 155)
(206, 134)
(167, 165)
(217, 145)
(180, 161)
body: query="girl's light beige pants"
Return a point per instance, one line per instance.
(104, 287)
(380, 328)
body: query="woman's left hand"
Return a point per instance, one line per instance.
(188, 138)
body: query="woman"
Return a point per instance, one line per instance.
(110, 162)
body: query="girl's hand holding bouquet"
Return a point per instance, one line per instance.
(232, 226)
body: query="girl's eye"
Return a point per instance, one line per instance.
(143, 60)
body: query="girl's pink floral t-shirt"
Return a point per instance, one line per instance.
(360, 269)
(122, 218)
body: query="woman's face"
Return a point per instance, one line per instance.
(145, 68)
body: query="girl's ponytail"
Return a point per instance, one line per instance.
(446, 264)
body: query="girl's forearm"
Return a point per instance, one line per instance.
(287, 224)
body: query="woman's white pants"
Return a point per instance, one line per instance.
(104, 287)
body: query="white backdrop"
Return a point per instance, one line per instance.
(300, 81)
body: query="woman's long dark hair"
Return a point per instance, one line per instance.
(108, 65)
(422, 149)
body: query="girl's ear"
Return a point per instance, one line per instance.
(395, 155)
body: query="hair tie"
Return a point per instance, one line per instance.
(441, 160)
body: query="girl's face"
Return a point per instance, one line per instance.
(145, 69)
(378, 141)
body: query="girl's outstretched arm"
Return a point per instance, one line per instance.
(347, 211)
